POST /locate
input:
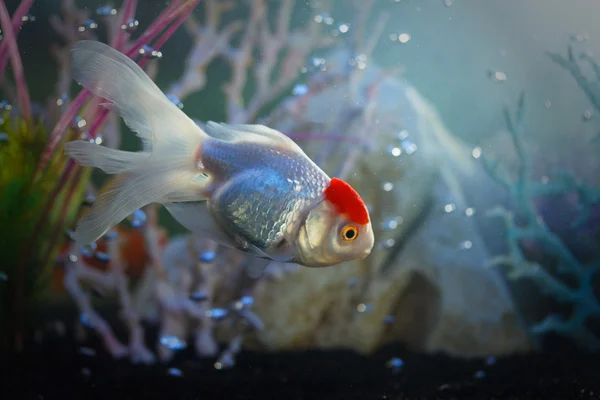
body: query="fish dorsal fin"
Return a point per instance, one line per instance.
(248, 132)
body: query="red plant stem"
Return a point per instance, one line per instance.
(17, 21)
(15, 60)
(159, 43)
(55, 137)
(59, 129)
(128, 8)
(171, 30)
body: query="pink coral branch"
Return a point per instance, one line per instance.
(17, 21)
(79, 101)
(128, 8)
(15, 59)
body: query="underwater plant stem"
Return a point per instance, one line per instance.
(15, 60)
(182, 13)
(171, 29)
(59, 129)
(17, 21)
(79, 101)
(128, 8)
(158, 26)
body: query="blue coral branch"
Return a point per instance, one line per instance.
(523, 191)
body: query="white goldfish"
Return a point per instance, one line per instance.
(245, 186)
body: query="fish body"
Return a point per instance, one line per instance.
(245, 186)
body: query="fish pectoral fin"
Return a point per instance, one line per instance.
(194, 217)
(257, 252)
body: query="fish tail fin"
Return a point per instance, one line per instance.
(167, 168)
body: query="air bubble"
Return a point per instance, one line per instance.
(138, 218)
(149, 52)
(175, 100)
(387, 186)
(395, 364)
(450, 207)
(498, 76)
(172, 343)
(106, 11)
(208, 256)
(364, 308)
(300, 90)
(131, 25)
(476, 153)
(217, 313)
(175, 372)
(89, 24)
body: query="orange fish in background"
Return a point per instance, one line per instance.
(132, 248)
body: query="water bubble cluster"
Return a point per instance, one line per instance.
(62, 99)
(391, 223)
(318, 64)
(130, 25)
(477, 152)
(89, 24)
(149, 52)
(387, 244)
(387, 186)
(106, 11)
(172, 343)
(243, 303)
(137, 218)
(225, 362)
(5, 105)
(217, 313)
(409, 147)
(359, 61)
(28, 18)
(323, 19)
(402, 38)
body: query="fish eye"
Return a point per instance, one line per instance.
(349, 233)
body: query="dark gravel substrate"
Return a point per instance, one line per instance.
(58, 370)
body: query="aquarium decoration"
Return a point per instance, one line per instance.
(562, 274)
(42, 191)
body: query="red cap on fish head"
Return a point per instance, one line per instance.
(347, 201)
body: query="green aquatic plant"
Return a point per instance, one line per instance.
(42, 191)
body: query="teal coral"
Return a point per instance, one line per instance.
(523, 191)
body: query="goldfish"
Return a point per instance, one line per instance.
(245, 186)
